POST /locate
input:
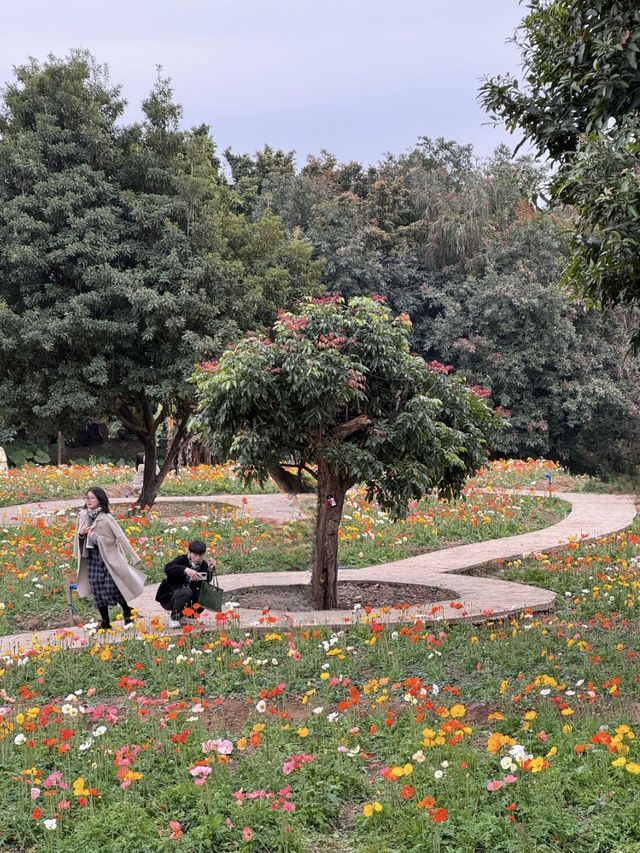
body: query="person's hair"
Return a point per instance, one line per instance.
(101, 495)
(197, 546)
(139, 459)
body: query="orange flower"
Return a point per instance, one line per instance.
(407, 791)
(439, 815)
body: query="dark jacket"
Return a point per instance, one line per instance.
(176, 578)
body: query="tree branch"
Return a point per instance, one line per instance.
(127, 418)
(344, 430)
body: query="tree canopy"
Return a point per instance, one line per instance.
(579, 102)
(337, 393)
(124, 260)
(458, 245)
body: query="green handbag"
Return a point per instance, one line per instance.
(211, 594)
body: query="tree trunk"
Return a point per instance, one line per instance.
(324, 578)
(150, 484)
(60, 448)
(152, 481)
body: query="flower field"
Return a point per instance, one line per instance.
(31, 483)
(36, 482)
(510, 736)
(36, 557)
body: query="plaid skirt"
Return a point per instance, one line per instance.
(103, 587)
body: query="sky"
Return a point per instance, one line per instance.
(359, 78)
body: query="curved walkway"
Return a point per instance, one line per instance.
(478, 598)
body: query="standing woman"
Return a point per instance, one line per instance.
(105, 559)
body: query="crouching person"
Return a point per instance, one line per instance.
(181, 587)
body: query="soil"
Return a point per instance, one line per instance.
(182, 510)
(46, 621)
(350, 593)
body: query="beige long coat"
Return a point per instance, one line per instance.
(117, 555)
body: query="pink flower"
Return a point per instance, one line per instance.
(494, 785)
(176, 829)
(289, 806)
(222, 747)
(35, 793)
(247, 833)
(63, 804)
(200, 773)
(510, 778)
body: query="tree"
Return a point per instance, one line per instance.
(122, 260)
(579, 103)
(338, 394)
(557, 366)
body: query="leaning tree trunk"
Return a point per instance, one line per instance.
(324, 577)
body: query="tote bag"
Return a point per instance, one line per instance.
(211, 594)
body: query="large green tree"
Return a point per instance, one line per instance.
(123, 259)
(337, 392)
(579, 103)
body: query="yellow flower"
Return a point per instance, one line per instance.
(504, 686)
(619, 762)
(632, 767)
(566, 729)
(324, 676)
(79, 788)
(552, 752)
(567, 712)
(369, 809)
(458, 710)
(530, 715)
(303, 731)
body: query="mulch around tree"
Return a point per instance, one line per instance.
(350, 593)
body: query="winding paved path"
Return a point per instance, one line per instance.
(478, 598)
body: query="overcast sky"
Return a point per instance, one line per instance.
(357, 77)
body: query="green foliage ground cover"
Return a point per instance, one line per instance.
(515, 735)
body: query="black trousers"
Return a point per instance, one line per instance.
(183, 596)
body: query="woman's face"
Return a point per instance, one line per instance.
(92, 501)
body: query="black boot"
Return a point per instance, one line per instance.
(105, 625)
(128, 615)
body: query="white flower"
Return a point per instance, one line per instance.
(444, 764)
(86, 745)
(333, 716)
(69, 710)
(438, 774)
(506, 763)
(99, 731)
(50, 823)
(318, 710)
(261, 707)
(435, 689)
(20, 739)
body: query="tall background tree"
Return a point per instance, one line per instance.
(579, 103)
(123, 257)
(337, 393)
(457, 244)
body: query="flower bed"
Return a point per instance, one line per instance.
(36, 557)
(509, 736)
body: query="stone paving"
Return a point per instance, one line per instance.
(478, 597)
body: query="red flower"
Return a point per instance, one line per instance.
(439, 815)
